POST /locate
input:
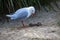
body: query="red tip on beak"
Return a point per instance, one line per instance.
(33, 14)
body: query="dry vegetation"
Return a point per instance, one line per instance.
(47, 29)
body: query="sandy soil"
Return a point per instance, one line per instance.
(48, 31)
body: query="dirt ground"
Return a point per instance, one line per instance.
(48, 31)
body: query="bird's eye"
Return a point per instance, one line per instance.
(32, 10)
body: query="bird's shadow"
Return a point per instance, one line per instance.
(31, 25)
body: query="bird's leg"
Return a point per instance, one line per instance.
(23, 23)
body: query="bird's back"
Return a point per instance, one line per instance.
(20, 14)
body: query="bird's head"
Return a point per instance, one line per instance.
(32, 10)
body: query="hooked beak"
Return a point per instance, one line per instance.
(33, 14)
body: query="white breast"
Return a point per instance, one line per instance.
(29, 13)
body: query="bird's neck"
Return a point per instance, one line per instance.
(29, 13)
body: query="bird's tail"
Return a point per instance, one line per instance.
(8, 15)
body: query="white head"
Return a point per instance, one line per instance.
(32, 10)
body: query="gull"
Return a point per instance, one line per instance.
(22, 13)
